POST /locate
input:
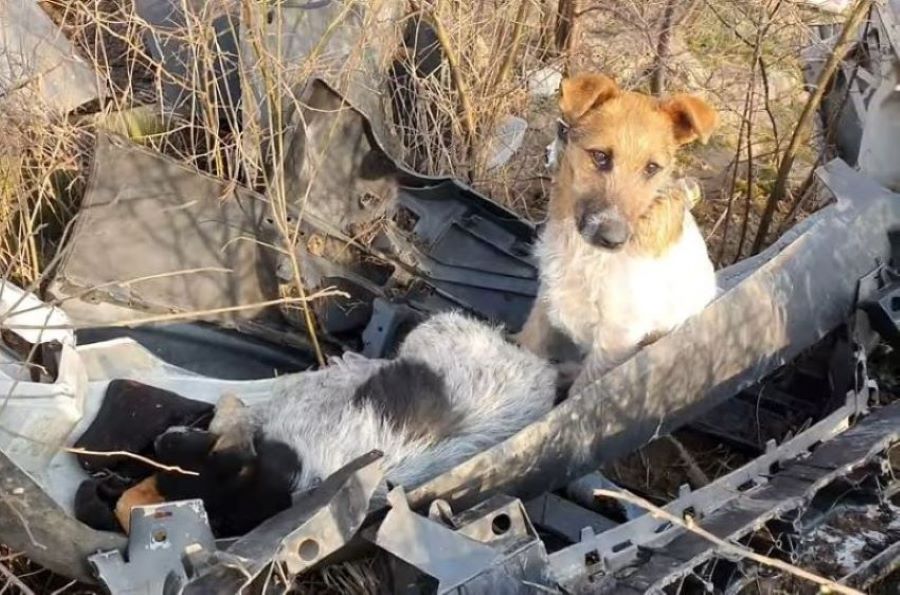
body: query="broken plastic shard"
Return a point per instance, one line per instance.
(544, 82)
(157, 237)
(505, 140)
(36, 60)
(161, 534)
(171, 28)
(43, 408)
(332, 32)
(491, 548)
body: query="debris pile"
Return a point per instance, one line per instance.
(319, 242)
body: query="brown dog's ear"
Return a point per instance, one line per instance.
(692, 118)
(581, 93)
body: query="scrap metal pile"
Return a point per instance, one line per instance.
(777, 365)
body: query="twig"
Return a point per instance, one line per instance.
(14, 310)
(564, 34)
(767, 103)
(329, 292)
(745, 115)
(663, 48)
(12, 578)
(831, 131)
(64, 587)
(25, 524)
(509, 57)
(695, 474)
(843, 45)
(273, 91)
(130, 455)
(732, 548)
(758, 61)
(763, 67)
(456, 75)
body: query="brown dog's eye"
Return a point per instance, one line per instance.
(602, 160)
(652, 169)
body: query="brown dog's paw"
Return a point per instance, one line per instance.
(140, 494)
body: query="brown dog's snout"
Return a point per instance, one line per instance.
(604, 227)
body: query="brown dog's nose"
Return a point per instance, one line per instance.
(604, 229)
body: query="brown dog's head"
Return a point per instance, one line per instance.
(619, 152)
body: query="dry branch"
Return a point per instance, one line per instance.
(564, 37)
(12, 579)
(843, 45)
(130, 455)
(328, 292)
(459, 83)
(514, 43)
(663, 48)
(695, 474)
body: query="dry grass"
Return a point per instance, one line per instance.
(493, 47)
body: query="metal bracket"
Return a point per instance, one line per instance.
(491, 548)
(160, 535)
(321, 521)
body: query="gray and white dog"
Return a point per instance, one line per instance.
(456, 387)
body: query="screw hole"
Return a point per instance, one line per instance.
(159, 536)
(501, 524)
(308, 550)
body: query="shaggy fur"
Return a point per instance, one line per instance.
(621, 259)
(484, 388)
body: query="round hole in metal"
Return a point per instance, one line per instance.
(501, 524)
(308, 550)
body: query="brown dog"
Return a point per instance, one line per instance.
(621, 259)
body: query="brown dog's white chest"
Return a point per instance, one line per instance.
(609, 302)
